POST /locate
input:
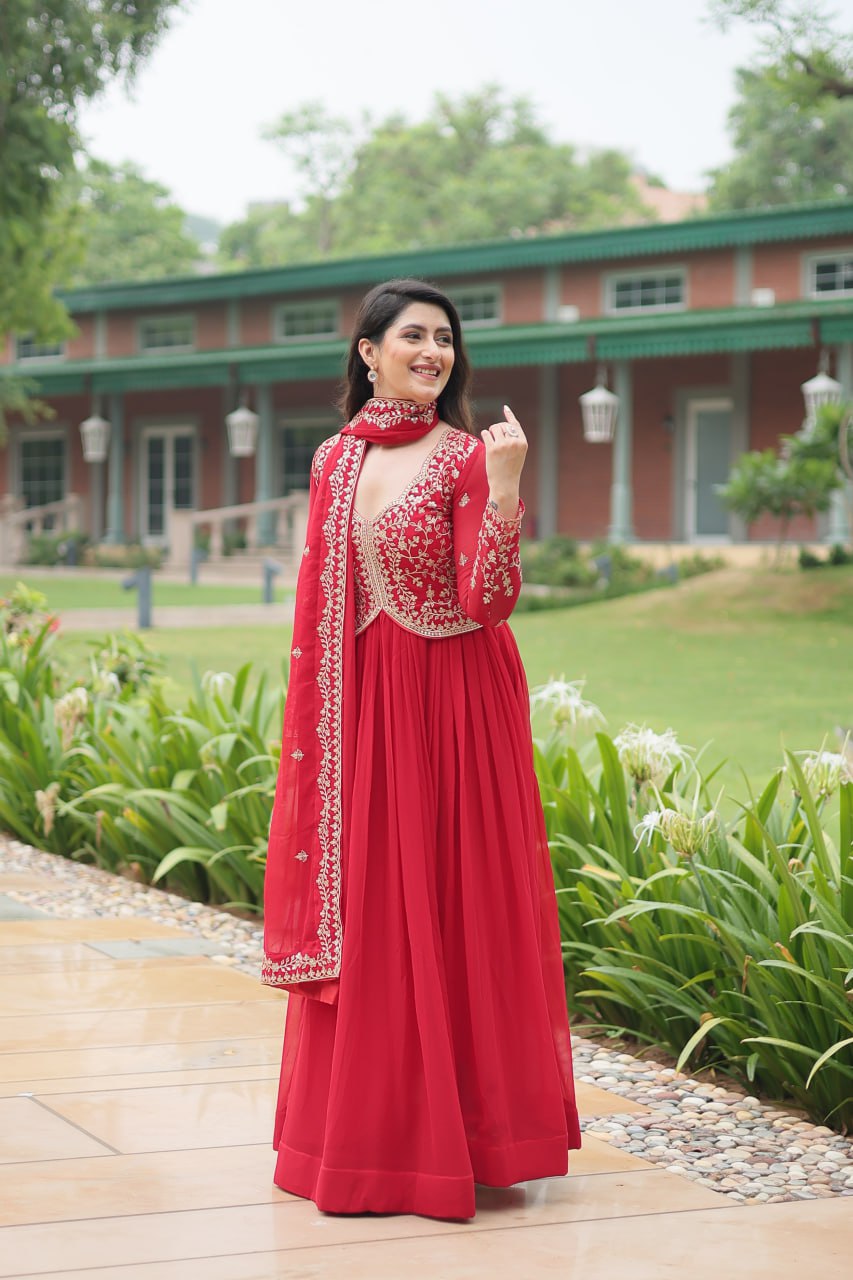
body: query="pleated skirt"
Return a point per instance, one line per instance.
(446, 1060)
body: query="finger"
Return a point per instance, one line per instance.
(510, 416)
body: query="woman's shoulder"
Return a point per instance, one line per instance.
(458, 452)
(321, 453)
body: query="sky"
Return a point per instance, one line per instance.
(650, 77)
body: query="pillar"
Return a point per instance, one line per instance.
(264, 463)
(621, 496)
(838, 516)
(548, 453)
(115, 472)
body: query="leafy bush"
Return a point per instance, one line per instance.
(727, 940)
(131, 555)
(557, 562)
(55, 548)
(808, 560)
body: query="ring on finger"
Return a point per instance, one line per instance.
(510, 431)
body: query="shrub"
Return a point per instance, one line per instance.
(130, 555)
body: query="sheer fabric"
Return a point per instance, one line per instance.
(446, 1058)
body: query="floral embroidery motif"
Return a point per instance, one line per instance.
(392, 413)
(301, 856)
(296, 653)
(297, 754)
(497, 569)
(464, 500)
(306, 549)
(463, 559)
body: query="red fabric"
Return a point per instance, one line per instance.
(302, 884)
(446, 1060)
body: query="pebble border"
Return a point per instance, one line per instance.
(719, 1137)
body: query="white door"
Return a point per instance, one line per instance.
(708, 463)
(168, 478)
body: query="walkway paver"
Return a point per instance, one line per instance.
(137, 1085)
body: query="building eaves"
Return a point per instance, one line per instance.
(800, 324)
(749, 227)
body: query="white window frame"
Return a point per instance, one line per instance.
(457, 292)
(39, 357)
(312, 306)
(178, 348)
(612, 278)
(810, 264)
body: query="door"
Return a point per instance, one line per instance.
(709, 460)
(168, 478)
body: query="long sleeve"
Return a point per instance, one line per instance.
(485, 548)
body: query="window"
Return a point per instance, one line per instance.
(28, 349)
(166, 333)
(477, 306)
(42, 469)
(301, 320)
(831, 277)
(645, 291)
(299, 441)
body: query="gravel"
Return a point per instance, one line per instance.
(716, 1135)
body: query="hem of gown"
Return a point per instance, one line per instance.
(427, 1195)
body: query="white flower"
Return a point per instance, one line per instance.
(826, 770)
(46, 805)
(647, 756)
(68, 712)
(218, 684)
(106, 684)
(688, 835)
(567, 705)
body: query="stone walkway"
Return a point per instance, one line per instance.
(138, 1070)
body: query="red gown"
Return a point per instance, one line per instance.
(446, 1059)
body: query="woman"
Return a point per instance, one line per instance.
(409, 901)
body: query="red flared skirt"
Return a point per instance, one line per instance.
(446, 1060)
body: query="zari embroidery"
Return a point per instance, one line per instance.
(403, 558)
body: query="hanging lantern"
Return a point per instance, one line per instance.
(242, 427)
(95, 435)
(819, 391)
(599, 410)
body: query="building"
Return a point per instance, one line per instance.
(705, 329)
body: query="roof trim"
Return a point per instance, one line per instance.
(747, 227)
(800, 324)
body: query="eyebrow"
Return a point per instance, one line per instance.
(442, 328)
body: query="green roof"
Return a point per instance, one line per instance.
(750, 227)
(798, 324)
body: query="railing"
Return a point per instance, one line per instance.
(281, 521)
(19, 522)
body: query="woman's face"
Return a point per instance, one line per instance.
(415, 356)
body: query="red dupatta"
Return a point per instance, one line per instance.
(303, 926)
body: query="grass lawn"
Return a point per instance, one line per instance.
(747, 660)
(72, 592)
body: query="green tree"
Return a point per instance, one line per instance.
(479, 167)
(130, 228)
(792, 125)
(53, 56)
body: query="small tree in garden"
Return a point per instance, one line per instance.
(799, 482)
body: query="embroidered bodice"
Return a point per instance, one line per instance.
(438, 559)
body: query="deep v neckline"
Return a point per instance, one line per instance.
(407, 488)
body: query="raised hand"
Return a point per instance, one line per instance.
(506, 449)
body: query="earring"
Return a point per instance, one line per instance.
(372, 375)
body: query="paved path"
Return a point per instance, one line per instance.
(172, 615)
(138, 1070)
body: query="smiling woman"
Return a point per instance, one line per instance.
(409, 898)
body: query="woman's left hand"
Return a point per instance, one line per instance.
(506, 448)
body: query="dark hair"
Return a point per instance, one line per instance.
(379, 309)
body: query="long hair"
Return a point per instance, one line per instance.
(379, 309)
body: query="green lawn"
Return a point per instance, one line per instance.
(744, 660)
(70, 592)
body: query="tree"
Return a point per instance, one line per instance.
(479, 167)
(799, 482)
(792, 126)
(53, 56)
(129, 227)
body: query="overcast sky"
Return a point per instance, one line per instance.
(651, 77)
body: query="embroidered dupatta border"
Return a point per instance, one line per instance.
(333, 580)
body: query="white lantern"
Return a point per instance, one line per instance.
(819, 391)
(95, 434)
(599, 409)
(242, 427)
